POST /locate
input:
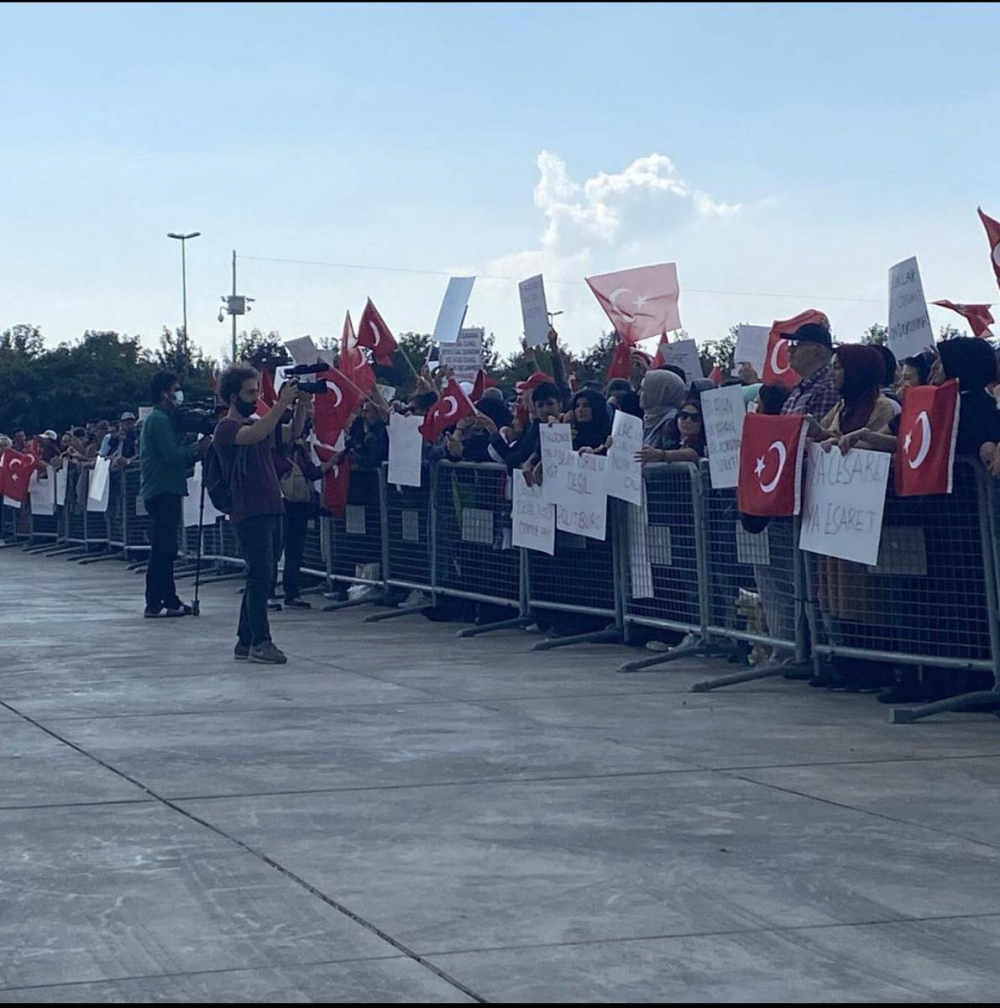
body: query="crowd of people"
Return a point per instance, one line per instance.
(266, 466)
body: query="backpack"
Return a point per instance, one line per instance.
(214, 480)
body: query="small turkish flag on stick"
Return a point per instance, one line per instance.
(374, 334)
(15, 474)
(453, 406)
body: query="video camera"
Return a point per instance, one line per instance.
(309, 387)
(195, 418)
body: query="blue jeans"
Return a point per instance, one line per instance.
(259, 538)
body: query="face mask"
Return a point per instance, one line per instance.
(245, 409)
(178, 397)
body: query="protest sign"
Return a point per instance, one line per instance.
(405, 448)
(534, 312)
(843, 503)
(97, 492)
(43, 492)
(144, 412)
(556, 442)
(684, 354)
(910, 330)
(624, 471)
(581, 497)
(193, 514)
(452, 313)
(477, 526)
(354, 519)
(61, 477)
(751, 347)
(302, 350)
(722, 413)
(465, 355)
(534, 520)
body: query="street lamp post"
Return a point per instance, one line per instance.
(182, 238)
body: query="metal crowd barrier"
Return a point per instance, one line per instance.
(354, 554)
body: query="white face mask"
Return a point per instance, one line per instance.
(179, 397)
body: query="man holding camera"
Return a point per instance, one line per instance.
(244, 448)
(165, 462)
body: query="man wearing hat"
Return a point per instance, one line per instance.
(48, 446)
(130, 436)
(809, 351)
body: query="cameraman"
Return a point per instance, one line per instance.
(165, 463)
(244, 450)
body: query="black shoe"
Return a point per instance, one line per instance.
(901, 692)
(297, 603)
(152, 612)
(274, 607)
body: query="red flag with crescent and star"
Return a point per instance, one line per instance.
(266, 396)
(925, 447)
(620, 365)
(452, 406)
(979, 316)
(374, 334)
(336, 481)
(333, 408)
(641, 302)
(777, 370)
(993, 234)
(352, 361)
(770, 475)
(15, 474)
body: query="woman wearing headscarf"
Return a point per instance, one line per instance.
(661, 396)
(627, 402)
(590, 420)
(857, 373)
(973, 363)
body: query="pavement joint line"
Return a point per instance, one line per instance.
(776, 929)
(203, 972)
(269, 861)
(76, 805)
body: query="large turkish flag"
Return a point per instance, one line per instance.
(770, 477)
(925, 448)
(777, 370)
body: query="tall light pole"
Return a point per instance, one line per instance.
(182, 238)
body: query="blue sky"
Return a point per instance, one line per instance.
(827, 141)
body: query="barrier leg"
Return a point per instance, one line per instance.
(518, 623)
(787, 669)
(394, 613)
(986, 700)
(699, 649)
(613, 635)
(351, 603)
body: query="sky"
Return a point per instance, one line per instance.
(784, 156)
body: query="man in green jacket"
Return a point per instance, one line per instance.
(165, 463)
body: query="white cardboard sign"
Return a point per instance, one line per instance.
(302, 350)
(61, 477)
(100, 486)
(684, 354)
(534, 311)
(910, 330)
(843, 501)
(624, 470)
(465, 355)
(43, 492)
(452, 313)
(751, 347)
(533, 520)
(556, 442)
(581, 497)
(405, 449)
(723, 412)
(192, 503)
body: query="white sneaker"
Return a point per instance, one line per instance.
(361, 592)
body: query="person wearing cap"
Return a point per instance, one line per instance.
(48, 446)
(130, 436)
(810, 348)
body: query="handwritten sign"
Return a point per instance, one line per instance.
(910, 330)
(843, 503)
(465, 355)
(534, 311)
(533, 520)
(581, 497)
(100, 485)
(751, 347)
(405, 449)
(723, 412)
(684, 354)
(624, 472)
(452, 313)
(557, 451)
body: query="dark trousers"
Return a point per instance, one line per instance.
(259, 538)
(165, 511)
(296, 527)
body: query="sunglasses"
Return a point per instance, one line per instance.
(689, 416)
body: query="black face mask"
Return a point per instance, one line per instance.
(245, 409)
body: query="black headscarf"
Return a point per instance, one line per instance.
(974, 364)
(628, 402)
(594, 433)
(496, 410)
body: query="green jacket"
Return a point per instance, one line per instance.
(165, 461)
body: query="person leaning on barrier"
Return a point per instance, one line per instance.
(809, 353)
(244, 450)
(165, 463)
(526, 453)
(661, 397)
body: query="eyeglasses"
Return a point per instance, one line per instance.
(689, 416)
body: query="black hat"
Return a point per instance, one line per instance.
(811, 332)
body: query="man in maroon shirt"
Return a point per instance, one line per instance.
(244, 449)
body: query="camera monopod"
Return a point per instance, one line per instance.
(196, 603)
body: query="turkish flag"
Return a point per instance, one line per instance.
(446, 412)
(640, 302)
(374, 334)
(620, 365)
(15, 474)
(352, 361)
(333, 408)
(770, 476)
(336, 482)
(266, 396)
(978, 316)
(481, 384)
(925, 447)
(777, 370)
(716, 375)
(993, 234)
(659, 360)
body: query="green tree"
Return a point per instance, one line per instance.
(875, 335)
(257, 346)
(720, 352)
